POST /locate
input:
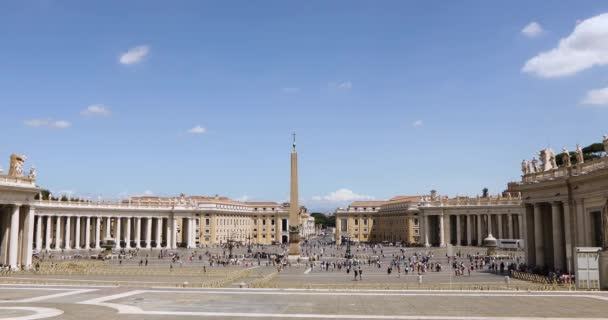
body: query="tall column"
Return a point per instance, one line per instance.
(28, 237)
(469, 231)
(47, 232)
(173, 233)
(558, 236)
(108, 226)
(458, 231)
(521, 227)
(159, 231)
(118, 233)
(168, 228)
(77, 234)
(128, 234)
(148, 232)
(479, 230)
(68, 233)
(499, 217)
(58, 233)
(510, 234)
(87, 233)
(538, 236)
(489, 224)
(38, 233)
(138, 232)
(13, 250)
(441, 232)
(568, 237)
(97, 232)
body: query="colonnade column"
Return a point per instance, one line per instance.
(68, 233)
(28, 237)
(47, 232)
(499, 234)
(458, 231)
(510, 233)
(77, 234)
(479, 230)
(169, 228)
(87, 233)
(138, 232)
(148, 232)
(97, 232)
(108, 225)
(539, 245)
(520, 226)
(128, 234)
(13, 250)
(558, 236)
(39, 233)
(57, 233)
(441, 232)
(489, 224)
(469, 231)
(173, 233)
(118, 235)
(159, 231)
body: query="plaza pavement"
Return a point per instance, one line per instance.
(100, 302)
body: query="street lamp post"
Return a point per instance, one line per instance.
(348, 254)
(249, 244)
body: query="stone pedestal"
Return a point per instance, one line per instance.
(603, 269)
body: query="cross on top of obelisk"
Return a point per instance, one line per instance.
(294, 141)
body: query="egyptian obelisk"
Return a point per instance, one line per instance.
(294, 206)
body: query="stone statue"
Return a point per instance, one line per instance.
(524, 167)
(534, 164)
(552, 160)
(32, 174)
(16, 168)
(579, 155)
(566, 158)
(605, 141)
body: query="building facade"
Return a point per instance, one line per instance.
(432, 220)
(565, 207)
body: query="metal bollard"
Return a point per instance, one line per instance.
(507, 280)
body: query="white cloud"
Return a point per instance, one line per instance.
(290, 90)
(96, 110)
(47, 123)
(596, 97)
(134, 55)
(585, 47)
(343, 86)
(418, 123)
(342, 195)
(148, 193)
(532, 30)
(243, 198)
(197, 130)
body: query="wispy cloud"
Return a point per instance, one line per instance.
(418, 123)
(197, 130)
(596, 97)
(134, 55)
(96, 110)
(532, 30)
(343, 86)
(47, 123)
(342, 195)
(584, 48)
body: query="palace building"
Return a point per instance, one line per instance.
(432, 220)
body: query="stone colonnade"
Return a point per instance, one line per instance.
(77, 232)
(16, 232)
(548, 232)
(469, 229)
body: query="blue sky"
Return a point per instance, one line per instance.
(387, 97)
